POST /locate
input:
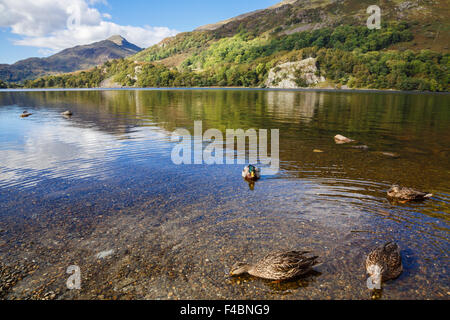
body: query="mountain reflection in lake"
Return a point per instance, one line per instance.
(101, 180)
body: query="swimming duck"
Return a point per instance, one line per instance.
(385, 261)
(407, 194)
(67, 113)
(279, 266)
(340, 139)
(25, 114)
(251, 173)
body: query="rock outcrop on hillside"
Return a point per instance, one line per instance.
(291, 75)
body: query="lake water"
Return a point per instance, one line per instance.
(102, 181)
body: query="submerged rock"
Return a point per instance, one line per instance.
(388, 154)
(361, 147)
(104, 254)
(340, 139)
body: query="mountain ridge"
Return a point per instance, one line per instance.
(214, 26)
(69, 60)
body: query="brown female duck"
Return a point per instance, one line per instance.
(25, 114)
(279, 266)
(385, 261)
(407, 194)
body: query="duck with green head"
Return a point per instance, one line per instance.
(251, 173)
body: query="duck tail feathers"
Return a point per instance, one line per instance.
(313, 261)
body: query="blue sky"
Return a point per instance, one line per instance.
(38, 28)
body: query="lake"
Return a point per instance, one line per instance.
(99, 190)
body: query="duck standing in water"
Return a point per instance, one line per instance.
(251, 173)
(407, 194)
(385, 262)
(67, 113)
(25, 114)
(278, 266)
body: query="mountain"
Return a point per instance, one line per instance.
(241, 17)
(429, 19)
(300, 15)
(295, 43)
(69, 60)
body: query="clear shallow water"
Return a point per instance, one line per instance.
(103, 180)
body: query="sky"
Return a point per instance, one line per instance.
(39, 28)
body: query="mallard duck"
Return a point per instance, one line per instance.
(407, 194)
(385, 261)
(279, 266)
(25, 114)
(251, 173)
(340, 139)
(67, 113)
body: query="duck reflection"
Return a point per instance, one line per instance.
(290, 106)
(251, 185)
(280, 286)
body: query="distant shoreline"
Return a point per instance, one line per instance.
(222, 88)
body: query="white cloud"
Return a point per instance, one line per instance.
(141, 36)
(56, 25)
